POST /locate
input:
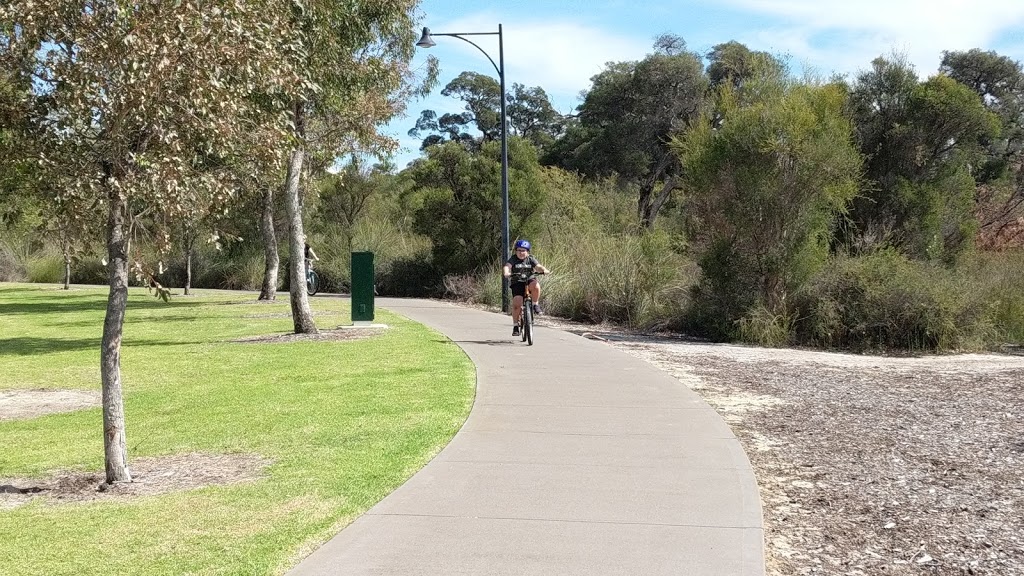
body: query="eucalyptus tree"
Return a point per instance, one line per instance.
(999, 81)
(353, 59)
(627, 120)
(131, 96)
(922, 140)
(530, 114)
(268, 233)
(17, 183)
(459, 208)
(734, 63)
(345, 197)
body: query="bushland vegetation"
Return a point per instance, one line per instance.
(714, 194)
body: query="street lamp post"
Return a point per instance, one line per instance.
(427, 41)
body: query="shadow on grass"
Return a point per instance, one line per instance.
(85, 304)
(30, 346)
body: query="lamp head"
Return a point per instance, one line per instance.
(425, 40)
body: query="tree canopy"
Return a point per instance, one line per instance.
(628, 118)
(530, 114)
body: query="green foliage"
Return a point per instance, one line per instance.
(352, 59)
(14, 250)
(733, 63)
(532, 117)
(482, 288)
(460, 202)
(999, 82)
(633, 280)
(11, 269)
(998, 280)
(766, 188)
(922, 143)
(412, 275)
(885, 301)
(482, 95)
(362, 209)
(604, 268)
(763, 327)
(627, 119)
(575, 204)
(88, 268)
(238, 268)
(529, 111)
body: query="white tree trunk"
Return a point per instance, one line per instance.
(302, 314)
(67, 269)
(115, 444)
(269, 290)
(188, 268)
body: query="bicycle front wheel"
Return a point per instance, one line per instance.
(312, 283)
(528, 325)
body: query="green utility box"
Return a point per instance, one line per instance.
(362, 287)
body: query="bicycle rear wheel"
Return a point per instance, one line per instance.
(312, 283)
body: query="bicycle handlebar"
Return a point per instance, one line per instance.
(525, 276)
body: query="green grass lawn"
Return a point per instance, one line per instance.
(344, 423)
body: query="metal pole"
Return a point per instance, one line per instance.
(504, 173)
(426, 41)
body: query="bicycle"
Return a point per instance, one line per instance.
(312, 279)
(526, 316)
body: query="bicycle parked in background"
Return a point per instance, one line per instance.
(312, 279)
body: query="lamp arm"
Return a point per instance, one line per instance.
(482, 51)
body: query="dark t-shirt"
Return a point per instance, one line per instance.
(522, 268)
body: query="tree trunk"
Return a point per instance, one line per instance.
(115, 444)
(188, 266)
(302, 315)
(67, 268)
(647, 205)
(269, 290)
(651, 210)
(643, 205)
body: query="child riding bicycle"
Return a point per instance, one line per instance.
(520, 269)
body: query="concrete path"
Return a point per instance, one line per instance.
(576, 459)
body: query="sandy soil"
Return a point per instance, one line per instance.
(150, 476)
(347, 333)
(18, 404)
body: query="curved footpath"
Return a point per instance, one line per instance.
(576, 459)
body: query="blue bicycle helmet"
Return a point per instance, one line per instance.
(524, 244)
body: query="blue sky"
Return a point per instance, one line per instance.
(560, 44)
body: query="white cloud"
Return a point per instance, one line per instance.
(563, 56)
(845, 36)
(559, 56)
